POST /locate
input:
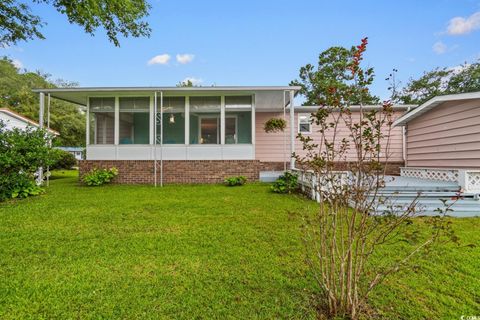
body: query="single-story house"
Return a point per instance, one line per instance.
(194, 134)
(13, 120)
(77, 152)
(443, 140)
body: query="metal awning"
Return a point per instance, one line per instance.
(79, 95)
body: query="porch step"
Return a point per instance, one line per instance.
(270, 176)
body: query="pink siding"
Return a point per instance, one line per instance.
(270, 146)
(447, 136)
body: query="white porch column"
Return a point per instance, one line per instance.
(117, 121)
(222, 120)
(187, 120)
(253, 122)
(40, 125)
(292, 130)
(87, 125)
(151, 121)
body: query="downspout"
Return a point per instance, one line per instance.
(284, 133)
(292, 131)
(50, 138)
(404, 142)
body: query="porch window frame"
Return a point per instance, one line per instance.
(222, 116)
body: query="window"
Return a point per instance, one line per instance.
(209, 130)
(173, 120)
(304, 124)
(238, 119)
(204, 120)
(102, 120)
(134, 122)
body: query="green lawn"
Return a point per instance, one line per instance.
(193, 252)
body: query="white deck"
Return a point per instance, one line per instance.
(407, 182)
(399, 193)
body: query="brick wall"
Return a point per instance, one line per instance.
(175, 171)
(193, 171)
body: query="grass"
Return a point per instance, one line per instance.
(193, 252)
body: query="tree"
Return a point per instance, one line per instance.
(440, 81)
(185, 84)
(343, 239)
(16, 93)
(332, 71)
(117, 17)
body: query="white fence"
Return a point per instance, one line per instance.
(468, 180)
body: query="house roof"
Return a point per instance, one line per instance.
(432, 103)
(79, 95)
(73, 149)
(25, 119)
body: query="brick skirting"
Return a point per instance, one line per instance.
(175, 171)
(193, 171)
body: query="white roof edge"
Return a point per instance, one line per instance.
(433, 103)
(217, 88)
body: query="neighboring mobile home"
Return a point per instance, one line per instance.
(77, 152)
(12, 120)
(194, 134)
(443, 140)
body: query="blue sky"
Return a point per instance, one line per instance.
(257, 42)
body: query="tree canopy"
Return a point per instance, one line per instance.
(116, 17)
(16, 93)
(333, 70)
(440, 81)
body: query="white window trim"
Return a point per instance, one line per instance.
(152, 121)
(300, 115)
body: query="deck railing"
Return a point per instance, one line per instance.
(313, 184)
(468, 180)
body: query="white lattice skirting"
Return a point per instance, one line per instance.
(468, 180)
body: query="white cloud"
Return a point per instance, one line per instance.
(185, 58)
(160, 59)
(17, 63)
(194, 81)
(461, 25)
(439, 47)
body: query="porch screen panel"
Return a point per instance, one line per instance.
(205, 120)
(173, 120)
(102, 120)
(238, 119)
(134, 122)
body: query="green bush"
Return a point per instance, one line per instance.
(286, 183)
(98, 177)
(26, 188)
(66, 160)
(22, 152)
(235, 181)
